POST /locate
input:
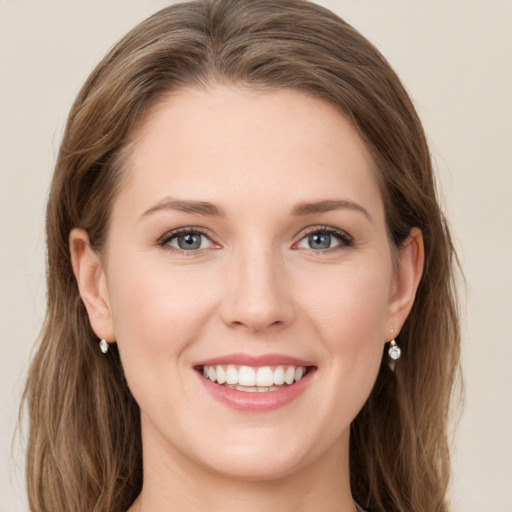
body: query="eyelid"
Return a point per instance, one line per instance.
(164, 240)
(346, 240)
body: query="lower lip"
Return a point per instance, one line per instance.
(256, 401)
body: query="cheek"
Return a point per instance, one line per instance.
(350, 318)
(351, 303)
(156, 314)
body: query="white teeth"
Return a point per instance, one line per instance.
(247, 378)
(264, 376)
(279, 376)
(289, 375)
(248, 389)
(221, 375)
(231, 375)
(254, 389)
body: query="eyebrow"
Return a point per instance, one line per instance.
(212, 210)
(303, 209)
(196, 207)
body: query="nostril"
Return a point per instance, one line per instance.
(256, 299)
(255, 325)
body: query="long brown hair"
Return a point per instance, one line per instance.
(84, 449)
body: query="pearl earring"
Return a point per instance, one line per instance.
(104, 346)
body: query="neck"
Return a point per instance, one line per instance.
(174, 483)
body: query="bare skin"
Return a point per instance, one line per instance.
(248, 222)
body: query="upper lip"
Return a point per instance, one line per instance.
(255, 360)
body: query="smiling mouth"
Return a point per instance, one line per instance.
(250, 379)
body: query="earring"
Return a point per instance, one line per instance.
(394, 352)
(104, 346)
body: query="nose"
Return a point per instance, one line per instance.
(258, 294)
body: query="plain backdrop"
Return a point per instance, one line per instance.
(455, 58)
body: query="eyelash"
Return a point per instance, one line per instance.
(344, 238)
(190, 230)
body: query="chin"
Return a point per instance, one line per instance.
(267, 455)
(257, 467)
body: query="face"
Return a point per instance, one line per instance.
(248, 243)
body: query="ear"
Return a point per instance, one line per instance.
(408, 275)
(92, 285)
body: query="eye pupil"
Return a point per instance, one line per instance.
(189, 241)
(319, 240)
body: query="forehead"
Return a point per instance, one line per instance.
(229, 143)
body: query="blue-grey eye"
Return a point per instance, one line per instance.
(319, 241)
(189, 241)
(324, 239)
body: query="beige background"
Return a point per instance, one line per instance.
(454, 56)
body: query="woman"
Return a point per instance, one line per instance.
(243, 217)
